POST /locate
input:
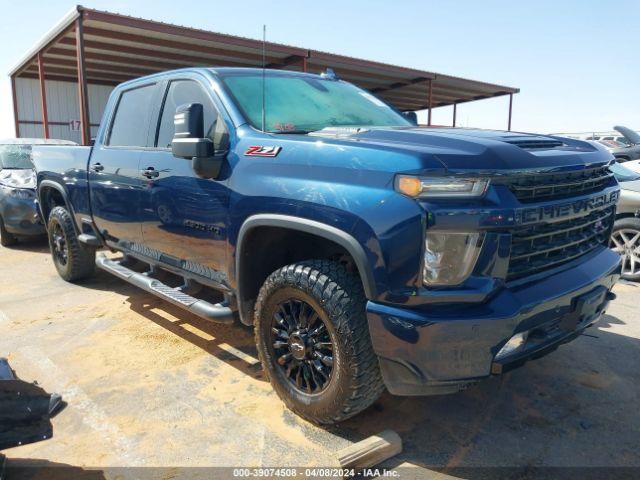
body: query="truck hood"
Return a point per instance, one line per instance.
(629, 134)
(486, 151)
(18, 178)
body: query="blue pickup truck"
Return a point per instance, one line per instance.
(366, 252)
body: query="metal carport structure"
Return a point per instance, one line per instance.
(94, 49)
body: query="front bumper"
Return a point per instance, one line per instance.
(20, 215)
(443, 348)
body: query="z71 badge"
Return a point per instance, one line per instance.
(258, 151)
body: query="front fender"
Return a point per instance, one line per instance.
(342, 238)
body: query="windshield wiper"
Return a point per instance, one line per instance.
(295, 132)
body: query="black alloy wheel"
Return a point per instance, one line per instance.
(73, 260)
(302, 346)
(313, 341)
(59, 247)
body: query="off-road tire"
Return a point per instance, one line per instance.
(627, 224)
(338, 298)
(6, 239)
(81, 260)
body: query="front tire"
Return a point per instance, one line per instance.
(625, 240)
(313, 341)
(73, 260)
(6, 239)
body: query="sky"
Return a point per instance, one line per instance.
(575, 62)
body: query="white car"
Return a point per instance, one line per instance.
(633, 165)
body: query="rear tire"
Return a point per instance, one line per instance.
(333, 375)
(73, 260)
(6, 239)
(625, 240)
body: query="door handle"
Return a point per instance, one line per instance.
(150, 173)
(98, 167)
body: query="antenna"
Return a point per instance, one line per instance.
(264, 66)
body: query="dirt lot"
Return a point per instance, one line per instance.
(148, 385)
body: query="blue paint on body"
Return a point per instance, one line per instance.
(425, 337)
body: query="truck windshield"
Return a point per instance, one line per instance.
(296, 103)
(16, 157)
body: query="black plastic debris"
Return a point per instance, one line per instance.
(25, 410)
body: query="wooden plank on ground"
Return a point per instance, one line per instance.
(371, 451)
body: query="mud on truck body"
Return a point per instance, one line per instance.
(366, 252)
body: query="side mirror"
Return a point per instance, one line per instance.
(189, 142)
(412, 117)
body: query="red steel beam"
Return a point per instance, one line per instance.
(510, 110)
(82, 85)
(14, 93)
(43, 96)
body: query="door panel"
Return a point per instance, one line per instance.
(185, 216)
(116, 194)
(116, 186)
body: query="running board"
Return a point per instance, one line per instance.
(216, 313)
(89, 239)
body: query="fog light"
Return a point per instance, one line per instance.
(515, 343)
(449, 258)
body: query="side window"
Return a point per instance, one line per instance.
(131, 121)
(181, 92)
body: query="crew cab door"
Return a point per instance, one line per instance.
(116, 186)
(185, 216)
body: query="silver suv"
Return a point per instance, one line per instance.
(625, 238)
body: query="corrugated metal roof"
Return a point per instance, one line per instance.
(119, 48)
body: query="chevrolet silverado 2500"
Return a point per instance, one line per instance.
(365, 252)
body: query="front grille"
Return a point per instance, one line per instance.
(552, 186)
(540, 247)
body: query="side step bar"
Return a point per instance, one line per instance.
(216, 313)
(89, 239)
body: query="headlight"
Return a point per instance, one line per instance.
(441, 187)
(449, 258)
(515, 343)
(18, 178)
(22, 193)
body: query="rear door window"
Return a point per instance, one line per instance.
(130, 126)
